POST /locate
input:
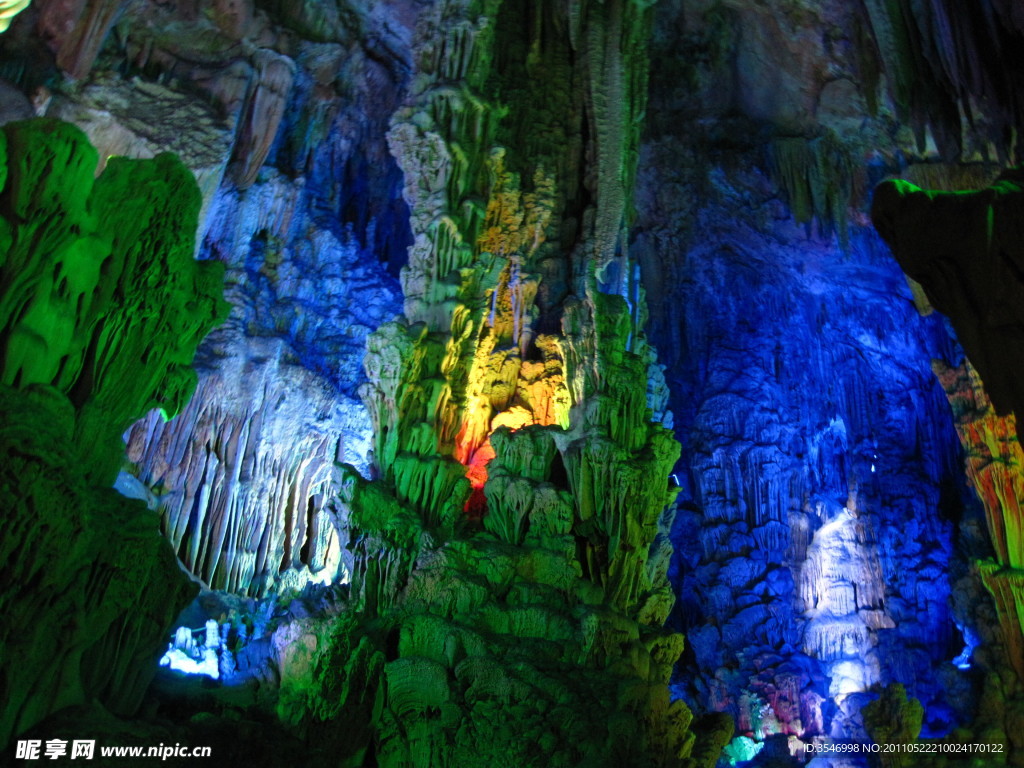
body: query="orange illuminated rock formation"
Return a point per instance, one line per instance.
(995, 468)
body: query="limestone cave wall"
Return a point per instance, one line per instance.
(827, 545)
(281, 114)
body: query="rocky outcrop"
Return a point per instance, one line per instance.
(243, 478)
(221, 50)
(102, 310)
(961, 248)
(953, 267)
(965, 249)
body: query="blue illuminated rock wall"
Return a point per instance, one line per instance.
(821, 472)
(825, 528)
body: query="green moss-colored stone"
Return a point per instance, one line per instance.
(101, 309)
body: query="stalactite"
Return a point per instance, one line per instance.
(942, 64)
(817, 176)
(234, 503)
(266, 101)
(94, 20)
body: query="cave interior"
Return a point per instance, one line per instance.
(453, 383)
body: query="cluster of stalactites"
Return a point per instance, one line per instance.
(611, 38)
(545, 439)
(943, 61)
(242, 515)
(818, 178)
(466, 359)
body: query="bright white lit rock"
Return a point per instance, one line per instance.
(179, 661)
(185, 655)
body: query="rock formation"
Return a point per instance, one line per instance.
(965, 250)
(822, 511)
(462, 551)
(968, 270)
(102, 309)
(510, 558)
(306, 100)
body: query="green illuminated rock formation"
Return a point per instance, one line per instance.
(510, 556)
(9, 9)
(817, 176)
(894, 719)
(101, 309)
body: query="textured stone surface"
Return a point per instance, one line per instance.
(965, 249)
(141, 119)
(283, 124)
(246, 513)
(823, 505)
(958, 270)
(824, 547)
(510, 560)
(811, 501)
(102, 310)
